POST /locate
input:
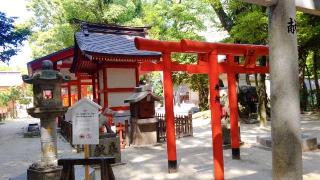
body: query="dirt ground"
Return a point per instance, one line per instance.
(150, 162)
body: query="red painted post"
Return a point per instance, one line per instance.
(94, 87)
(169, 116)
(233, 105)
(84, 90)
(105, 88)
(215, 116)
(69, 95)
(137, 75)
(79, 86)
(119, 129)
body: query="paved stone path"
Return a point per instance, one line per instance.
(194, 154)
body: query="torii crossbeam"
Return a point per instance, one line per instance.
(207, 64)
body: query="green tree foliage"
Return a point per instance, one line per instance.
(53, 22)
(15, 95)
(169, 20)
(248, 23)
(176, 20)
(11, 37)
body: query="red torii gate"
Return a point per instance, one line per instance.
(207, 64)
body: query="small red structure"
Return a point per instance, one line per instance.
(108, 54)
(207, 64)
(62, 61)
(103, 64)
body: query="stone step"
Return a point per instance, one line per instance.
(308, 143)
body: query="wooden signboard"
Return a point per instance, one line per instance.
(85, 122)
(306, 6)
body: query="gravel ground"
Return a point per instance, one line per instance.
(150, 162)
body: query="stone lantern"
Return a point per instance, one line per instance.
(47, 106)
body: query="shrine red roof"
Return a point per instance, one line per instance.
(53, 57)
(97, 43)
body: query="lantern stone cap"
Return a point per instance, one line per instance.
(85, 101)
(46, 73)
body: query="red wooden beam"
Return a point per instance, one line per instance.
(155, 45)
(223, 68)
(223, 48)
(82, 83)
(120, 108)
(204, 69)
(149, 66)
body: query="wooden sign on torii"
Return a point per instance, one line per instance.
(284, 75)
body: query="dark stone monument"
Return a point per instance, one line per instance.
(109, 146)
(142, 122)
(109, 142)
(47, 106)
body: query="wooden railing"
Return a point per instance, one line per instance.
(183, 126)
(66, 130)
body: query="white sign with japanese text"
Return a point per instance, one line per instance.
(85, 122)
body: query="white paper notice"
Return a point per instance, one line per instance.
(85, 124)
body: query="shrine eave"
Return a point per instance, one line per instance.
(53, 57)
(88, 61)
(109, 44)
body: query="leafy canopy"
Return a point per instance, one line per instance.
(53, 24)
(16, 94)
(11, 37)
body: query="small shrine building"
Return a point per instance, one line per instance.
(103, 64)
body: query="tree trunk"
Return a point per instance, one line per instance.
(315, 74)
(262, 96)
(306, 94)
(302, 73)
(14, 110)
(256, 80)
(262, 101)
(203, 98)
(226, 21)
(248, 79)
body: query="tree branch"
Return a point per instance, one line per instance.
(226, 21)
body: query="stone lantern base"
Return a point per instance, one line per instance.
(52, 173)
